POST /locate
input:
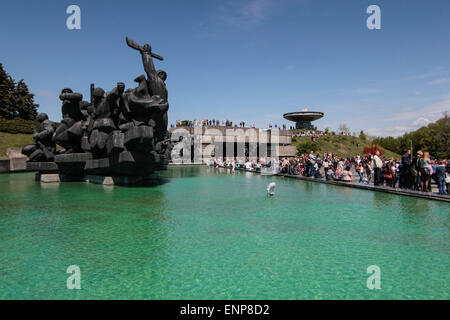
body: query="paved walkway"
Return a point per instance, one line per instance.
(398, 191)
(404, 192)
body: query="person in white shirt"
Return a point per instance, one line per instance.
(325, 165)
(377, 165)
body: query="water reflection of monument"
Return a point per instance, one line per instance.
(303, 118)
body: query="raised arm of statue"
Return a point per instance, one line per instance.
(133, 44)
(147, 55)
(149, 67)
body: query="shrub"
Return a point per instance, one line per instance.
(362, 135)
(372, 149)
(307, 147)
(20, 126)
(17, 125)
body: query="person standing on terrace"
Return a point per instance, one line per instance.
(440, 177)
(360, 171)
(425, 171)
(377, 165)
(405, 173)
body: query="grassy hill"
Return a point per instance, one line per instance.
(343, 146)
(13, 140)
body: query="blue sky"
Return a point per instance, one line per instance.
(249, 60)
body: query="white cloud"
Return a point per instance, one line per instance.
(290, 68)
(257, 9)
(431, 112)
(415, 77)
(394, 131)
(421, 122)
(367, 90)
(246, 12)
(438, 81)
(411, 118)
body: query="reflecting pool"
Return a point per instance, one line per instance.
(204, 233)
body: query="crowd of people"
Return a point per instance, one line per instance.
(229, 123)
(247, 164)
(419, 171)
(221, 123)
(411, 172)
(282, 127)
(308, 133)
(208, 122)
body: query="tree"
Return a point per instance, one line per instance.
(344, 128)
(6, 94)
(15, 99)
(307, 147)
(435, 138)
(362, 136)
(25, 105)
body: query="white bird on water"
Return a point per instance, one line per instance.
(271, 189)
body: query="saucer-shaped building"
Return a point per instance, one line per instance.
(303, 118)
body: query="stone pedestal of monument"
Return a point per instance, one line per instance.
(4, 164)
(106, 171)
(124, 169)
(47, 177)
(56, 177)
(72, 164)
(49, 172)
(122, 180)
(42, 167)
(18, 160)
(126, 163)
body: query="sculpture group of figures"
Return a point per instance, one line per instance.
(116, 133)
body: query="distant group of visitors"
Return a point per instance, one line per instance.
(417, 172)
(327, 166)
(282, 127)
(233, 163)
(207, 122)
(228, 123)
(414, 173)
(308, 133)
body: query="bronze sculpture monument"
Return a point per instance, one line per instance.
(117, 134)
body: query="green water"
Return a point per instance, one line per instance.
(200, 233)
